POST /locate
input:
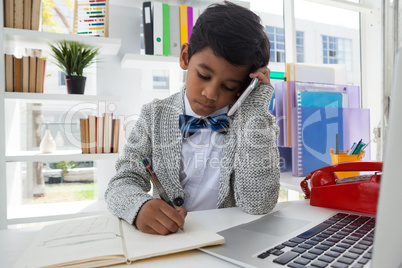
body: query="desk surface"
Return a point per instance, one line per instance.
(288, 181)
(14, 242)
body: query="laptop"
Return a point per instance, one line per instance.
(301, 235)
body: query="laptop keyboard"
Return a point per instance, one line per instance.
(344, 240)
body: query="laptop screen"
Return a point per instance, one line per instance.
(388, 235)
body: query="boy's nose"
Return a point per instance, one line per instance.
(210, 92)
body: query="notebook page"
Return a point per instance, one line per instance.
(140, 245)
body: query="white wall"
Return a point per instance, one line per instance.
(399, 23)
(124, 23)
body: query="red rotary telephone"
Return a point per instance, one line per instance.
(358, 193)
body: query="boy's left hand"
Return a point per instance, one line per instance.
(262, 75)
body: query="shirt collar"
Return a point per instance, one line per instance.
(189, 111)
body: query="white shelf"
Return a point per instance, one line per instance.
(149, 62)
(43, 97)
(54, 211)
(72, 155)
(39, 40)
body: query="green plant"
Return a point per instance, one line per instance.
(65, 166)
(73, 57)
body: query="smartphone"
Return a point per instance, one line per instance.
(243, 96)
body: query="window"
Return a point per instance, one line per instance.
(59, 16)
(276, 37)
(62, 78)
(160, 79)
(337, 51)
(331, 35)
(300, 46)
(34, 187)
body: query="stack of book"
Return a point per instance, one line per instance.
(167, 27)
(91, 17)
(25, 74)
(100, 134)
(23, 14)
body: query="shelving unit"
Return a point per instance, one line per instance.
(54, 211)
(17, 214)
(39, 97)
(3, 184)
(59, 155)
(149, 62)
(39, 40)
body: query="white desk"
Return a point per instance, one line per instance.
(14, 242)
(290, 182)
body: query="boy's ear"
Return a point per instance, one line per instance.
(184, 56)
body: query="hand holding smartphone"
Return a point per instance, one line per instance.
(243, 96)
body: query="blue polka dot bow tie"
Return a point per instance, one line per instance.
(189, 124)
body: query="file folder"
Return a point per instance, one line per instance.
(148, 28)
(183, 25)
(166, 30)
(314, 132)
(304, 73)
(158, 29)
(189, 21)
(174, 15)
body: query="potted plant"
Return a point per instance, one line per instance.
(73, 57)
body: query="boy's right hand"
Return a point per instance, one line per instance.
(157, 217)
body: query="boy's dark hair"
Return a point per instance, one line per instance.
(232, 32)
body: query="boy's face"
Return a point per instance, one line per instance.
(212, 82)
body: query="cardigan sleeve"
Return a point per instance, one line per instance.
(128, 190)
(256, 168)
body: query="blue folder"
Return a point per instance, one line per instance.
(316, 135)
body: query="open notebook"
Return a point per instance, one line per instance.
(106, 240)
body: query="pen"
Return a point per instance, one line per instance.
(357, 146)
(364, 147)
(337, 144)
(352, 149)
(157, 183)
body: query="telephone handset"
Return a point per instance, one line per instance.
(355, 194)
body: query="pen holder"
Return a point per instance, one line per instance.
(343, 156)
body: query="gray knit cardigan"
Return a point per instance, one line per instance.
(249, 175)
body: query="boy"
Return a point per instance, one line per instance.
(231, 163)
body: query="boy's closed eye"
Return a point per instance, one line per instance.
(229, 88)
(203, 77)
(224, 86)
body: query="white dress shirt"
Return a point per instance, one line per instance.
(200, 165)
